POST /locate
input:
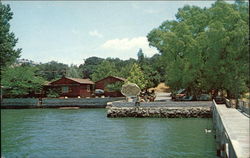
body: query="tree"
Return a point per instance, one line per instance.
(205, 49)
(136, 76)
(227, 42)
(103, 70)
(158, 65)
(20, 81)
(121, 67)
(114, 87)
(149, 69)
(7, 39)
(125, 71)
(52, 70)
(140, 56)
(90, 65)
(74, 71)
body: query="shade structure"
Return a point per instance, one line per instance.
(130, 90)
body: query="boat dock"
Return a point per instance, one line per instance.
(231, 132)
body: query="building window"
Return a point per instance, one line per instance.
(65, 89)
(88, 88)
(38, 91)
(70, 89)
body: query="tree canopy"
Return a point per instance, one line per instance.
(89, 66)
(137, 76)
(20, 81)
(53, 70)
(7, 39)
(105, 69)
(205, 49)
(74, 71)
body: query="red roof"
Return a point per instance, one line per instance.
(119, 78)
(78, 80)
(81, 80)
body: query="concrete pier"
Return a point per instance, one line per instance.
(165, 109)
(164, 112)
(231, 132)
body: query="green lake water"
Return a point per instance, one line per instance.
(55, 133)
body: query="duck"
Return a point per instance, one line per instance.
(208, 130)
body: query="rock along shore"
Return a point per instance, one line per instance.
(164, 112)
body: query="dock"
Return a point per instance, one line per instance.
(167, 109)
(231, 131)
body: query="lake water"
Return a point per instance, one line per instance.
(45, 133)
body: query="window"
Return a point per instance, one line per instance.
(38, 91)
(65, 89)
(88, 88)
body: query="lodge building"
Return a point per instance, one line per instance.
(71, 87)
(78, 87)
(102, 84)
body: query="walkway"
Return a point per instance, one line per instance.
(236, 126)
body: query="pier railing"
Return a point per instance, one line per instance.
(231, 132)
(241, 105)
(244, 107)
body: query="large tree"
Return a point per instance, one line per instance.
(7, 38)
(52, 70)
(103, 70)
(137, 76)
(149, 69)
(74, 71)
(206, 49)
(90, 65)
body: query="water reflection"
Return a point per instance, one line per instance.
(89, 133)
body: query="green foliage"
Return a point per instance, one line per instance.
(90, 64)
(53, 93)
(53, 70)
(7, 39)
(125, 71)
(149, 67)
(137, 76)
(205, 49)
(74, 71)
(20, 81)
(114, 87)
(141, 57)
(103, 70)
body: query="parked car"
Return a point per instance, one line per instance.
(99, 92)
(177, 95)
(204, 97)
(220, 100)
(186, 98)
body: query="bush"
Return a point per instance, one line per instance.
(53, 93)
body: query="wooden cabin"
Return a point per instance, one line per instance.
(71, 87)
(102, 84)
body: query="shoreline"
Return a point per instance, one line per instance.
(161, 112)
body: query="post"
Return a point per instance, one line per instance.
(1, 93)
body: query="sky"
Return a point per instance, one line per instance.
(71, 31)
